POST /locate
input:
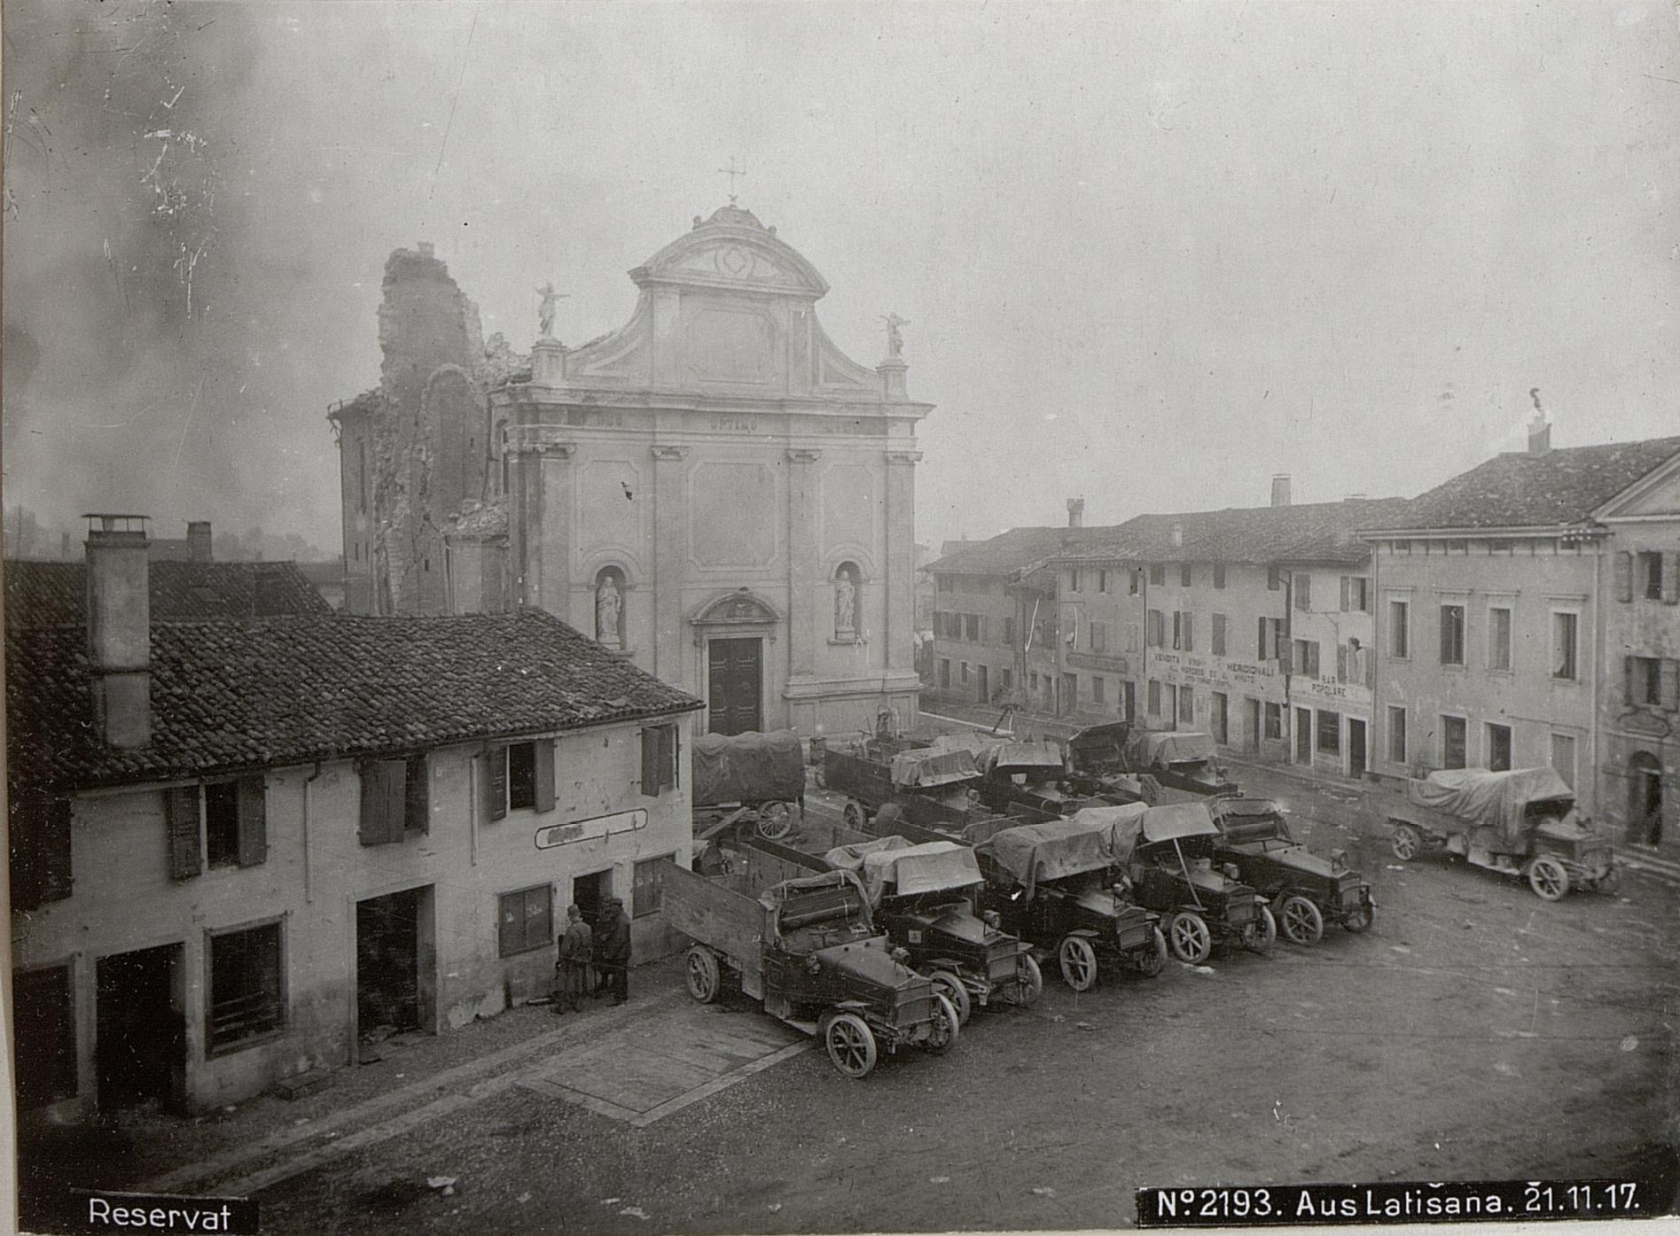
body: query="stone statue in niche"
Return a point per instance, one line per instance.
(609, 612)
(845, 606)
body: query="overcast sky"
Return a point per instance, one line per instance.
(1150, 254)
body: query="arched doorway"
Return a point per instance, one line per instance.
(1645, 804)
(733, 630)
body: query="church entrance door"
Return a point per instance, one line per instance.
(735, 685)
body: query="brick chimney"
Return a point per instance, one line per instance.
(1178, 536)
(1280, 489)
(1076, 512)
(119, 629)
(1539, 434)
(198, 541)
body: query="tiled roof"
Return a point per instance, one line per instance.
(1564, 486)
(43, 594)
(1310, 532)
(230, 696)
(1008, 552)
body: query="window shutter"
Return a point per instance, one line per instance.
(1671, 579)
(1624, 575)
(186, 854)
(383, 795)
(1671, 684)
(668, 740)
(417, 795)
(650, 761)
(1346, 586)
(253, 822)
(545, 773)
(1286, 658)
(1342, 657)
(1303, 592)
(1260, 642)
(496, 784)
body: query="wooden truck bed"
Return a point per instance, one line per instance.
(716, 914)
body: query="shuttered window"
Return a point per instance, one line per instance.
(247, 986)
(659, 759)
(182, 824)
(40, 849)
(526, 920)
(384, 799)
(1303, 591)
(1219, 635)
(521, 776)
(1623, 571)
(647, 891)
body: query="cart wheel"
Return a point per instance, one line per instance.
(775, 821)
(950, 986)
(946, 1026)
(1407, 841)
(1153, 960)
(1300, 920)
(1079, 963)
(850, 1043)
(1360, 919)
(1259, 937)
(704, 981)
(1192, 942)
(1029, 982)
(854, 816)
(1547, 878)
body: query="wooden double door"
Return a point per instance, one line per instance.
(735, 685)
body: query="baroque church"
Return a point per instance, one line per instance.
(713, 489)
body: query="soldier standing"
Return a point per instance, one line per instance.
(573, 967)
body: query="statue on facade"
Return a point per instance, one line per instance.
(545, 311)
(895, 334)
(845, 605)
(609, 610)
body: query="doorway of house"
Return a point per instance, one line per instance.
(1219, 717)
(388, 965)
(1251, 737)
(984, 692)
(1128, 700)
(141, 1028)
(735, 685)
(1645, 803)
(589, 892)
(1303, 736)
(1356, 747)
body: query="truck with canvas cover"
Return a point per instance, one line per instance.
(935, 787)
(1057, 884)
(1521, 822)
(1305, 890)
(1170, 853)
(1098, 769)
(749, 779)
(1029, 774)
(808, 951)
(1179, 760)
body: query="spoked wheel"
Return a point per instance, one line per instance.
(950, 986)
(1029, 982)
(1406, 842)
(851, 1044)
(775, 821)
(946, 1026)
(704, 981)
(1259, 937)
(1300, 920)
(1079, 963)
(1188, 934)
(1152, 960)
(1548, 879)
(854, 816)
(1361, 919)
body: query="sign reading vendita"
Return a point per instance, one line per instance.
(587, 830)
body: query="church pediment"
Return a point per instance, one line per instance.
(738, 608)
(732, 249)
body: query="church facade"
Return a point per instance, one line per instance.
(713, 489)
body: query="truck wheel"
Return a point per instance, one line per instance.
(1300, 920)
(950, 986)
(851, 1044)
(942, 1034)
(1406, 842)
(1548, 879)
(1360, 919)
(704, 981)
(775, 821)
(1259, 937)
(1152, 960)
(1029, 982)
(1188, 934)
(854, 816)
(1079, 963)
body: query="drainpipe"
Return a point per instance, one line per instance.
(1289, 674)
(308, 888)
(1143, 591)
(1376, 659)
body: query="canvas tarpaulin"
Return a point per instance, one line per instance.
(1011, 756)
(1034, 853)
(1158, 750)
(850, 857)
(932, 867)
(927, 767)
(1489, 799)
(748, 767)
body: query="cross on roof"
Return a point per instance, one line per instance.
(732, 172)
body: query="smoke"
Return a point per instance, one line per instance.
(138, 370)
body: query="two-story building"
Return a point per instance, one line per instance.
(240, 849)
(1524, 620)
(1251, 624)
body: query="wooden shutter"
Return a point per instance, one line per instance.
(1286, 658)
(1624, 575)
(417, 795)
(1670, 684)
(650, 761)
(496, 783)
(1303, 592)
(1671, 579)
(668, 755)
(1189, 631)
(1342, 656)
(383, 792)
(1370, 656)
(253, 822)
(1260, 642)
(543, 761)
(186, 852)
(1346, 587)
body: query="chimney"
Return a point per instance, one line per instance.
(1280, 489)
(1539, 429)
(1076, 512)
(119, 629)
(425, 248)
(198, 541)
(1178, 536)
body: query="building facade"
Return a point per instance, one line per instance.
(242, 850)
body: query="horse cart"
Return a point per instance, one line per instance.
(749, 780)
